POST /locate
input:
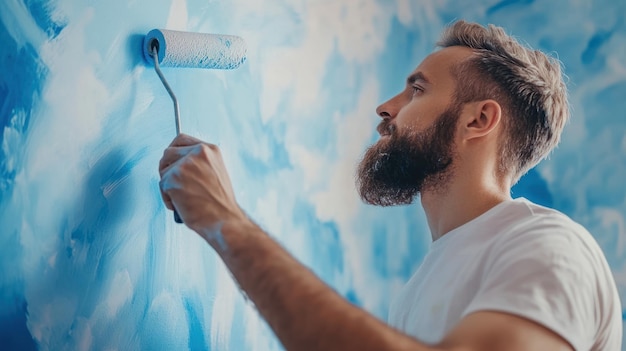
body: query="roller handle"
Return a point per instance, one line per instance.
(154, 48)
(177, 218)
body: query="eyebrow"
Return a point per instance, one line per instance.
(417, 76)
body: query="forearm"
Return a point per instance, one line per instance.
(304, 312)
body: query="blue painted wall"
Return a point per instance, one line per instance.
(90, 258)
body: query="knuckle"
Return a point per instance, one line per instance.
(162, 160)
(206, 150)
(184, 167)
(187, 168)
(169, 180)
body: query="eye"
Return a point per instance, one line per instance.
(417, 90)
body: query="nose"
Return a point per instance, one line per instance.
(388, 109)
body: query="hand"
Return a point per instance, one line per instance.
(194, 181)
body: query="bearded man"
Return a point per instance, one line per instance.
(501, 273)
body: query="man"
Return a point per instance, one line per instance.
(501, 274)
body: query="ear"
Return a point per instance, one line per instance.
(481, 118)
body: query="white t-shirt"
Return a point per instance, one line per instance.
(519, 258)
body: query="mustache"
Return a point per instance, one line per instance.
(386, 128)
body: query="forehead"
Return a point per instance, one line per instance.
(437, 67)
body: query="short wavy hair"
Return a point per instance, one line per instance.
(527, 84)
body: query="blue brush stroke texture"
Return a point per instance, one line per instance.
(21, 75)
(508, 3)
(22, 72)
(90, 258)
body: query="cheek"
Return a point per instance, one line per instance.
(412, 117)
(420, 113)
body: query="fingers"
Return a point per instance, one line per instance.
(185, 140)
(195, 183)
(167, 200)
(171, 155)
(168, 181)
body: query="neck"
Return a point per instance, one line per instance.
(463, 199)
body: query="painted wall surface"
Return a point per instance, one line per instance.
(91, 259)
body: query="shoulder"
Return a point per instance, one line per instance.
(547, 239)
(544, 230)
(547, 268)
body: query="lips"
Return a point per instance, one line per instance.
(385, 129)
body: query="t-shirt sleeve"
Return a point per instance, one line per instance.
(544, 275)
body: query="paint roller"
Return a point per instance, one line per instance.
(168, 48)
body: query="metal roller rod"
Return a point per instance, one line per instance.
(155, 57)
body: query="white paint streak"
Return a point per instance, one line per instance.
(12, 140)
(339, 201)
(20, 24)
(165, 325)
(223, 309)
(120, 292)
(355, 28)
(177, 19)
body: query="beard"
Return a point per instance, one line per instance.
(397, 168)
